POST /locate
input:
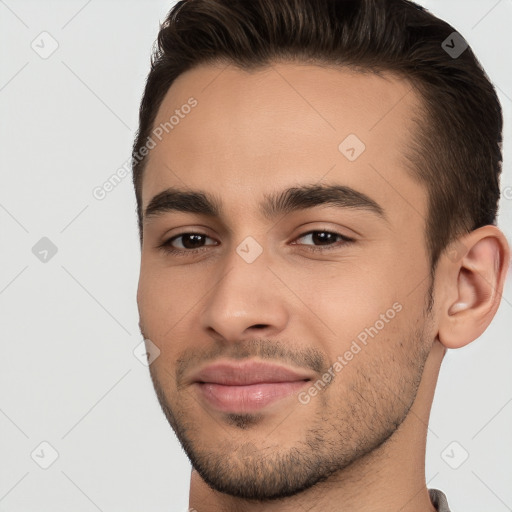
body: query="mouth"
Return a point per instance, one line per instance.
(248, 386)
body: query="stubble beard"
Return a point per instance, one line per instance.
(340, 430)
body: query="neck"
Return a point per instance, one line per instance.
(391, 477)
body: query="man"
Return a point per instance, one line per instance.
(317, 185)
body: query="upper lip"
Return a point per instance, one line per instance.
(246, 373)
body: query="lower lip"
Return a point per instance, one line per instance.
(247, 398)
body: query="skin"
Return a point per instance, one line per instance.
(363, 435)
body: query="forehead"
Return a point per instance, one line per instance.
(250, 133)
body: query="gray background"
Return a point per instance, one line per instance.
(68, 374)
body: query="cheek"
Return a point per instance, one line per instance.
(166, 309)
(384, 358)
(347, 297)
(151, 300)
(363, 305)
(163, 298)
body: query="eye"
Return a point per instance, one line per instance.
(189, 243)
(326, 240)
(192, 243)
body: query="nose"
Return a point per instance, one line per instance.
(246, 300)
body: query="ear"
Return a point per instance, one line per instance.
(472, 273)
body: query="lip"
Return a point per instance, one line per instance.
(247, 373)
(247, 386)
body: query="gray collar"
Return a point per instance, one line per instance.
(438, 499)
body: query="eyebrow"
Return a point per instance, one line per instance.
(274, 205)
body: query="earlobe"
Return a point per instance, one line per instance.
(473, 285)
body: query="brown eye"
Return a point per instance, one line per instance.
(186, 243)
(327, 239)
(190, 240)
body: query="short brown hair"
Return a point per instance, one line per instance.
(456, 151)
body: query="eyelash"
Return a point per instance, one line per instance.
(169, 249)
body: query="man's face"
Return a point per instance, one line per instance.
(310, 289)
